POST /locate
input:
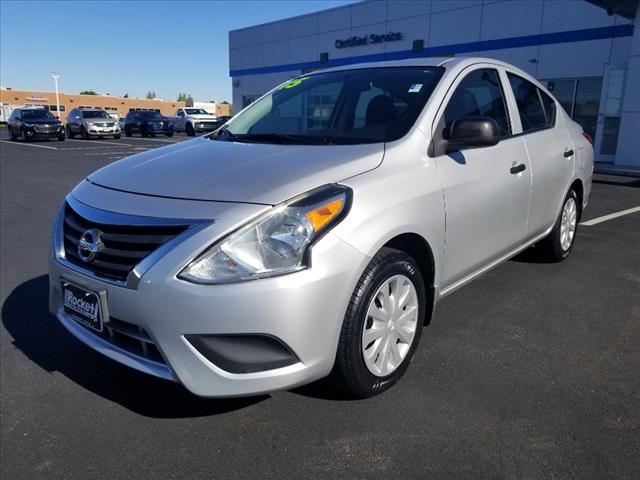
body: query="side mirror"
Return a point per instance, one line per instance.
(472, 132)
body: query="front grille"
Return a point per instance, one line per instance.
(129, 337)
(105, 124)
(124, 246)
(209, 124)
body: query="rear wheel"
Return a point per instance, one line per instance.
(558, 244)
(190, 131)
(382, 326)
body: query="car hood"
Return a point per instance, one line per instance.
(44, 121)
(209, 170)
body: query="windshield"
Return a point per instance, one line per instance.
(95, 114)
(150, 115)
(36, 114)
(346, 107)
(196, 111)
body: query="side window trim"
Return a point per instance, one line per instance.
(439, 116)
(540, 93)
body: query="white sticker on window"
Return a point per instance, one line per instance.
(415, 88)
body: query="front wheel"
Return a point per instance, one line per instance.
(117, 137)
(70, 134)
(12, 135)
(382, 326)
(84, 134)
(169, 134)
(23, 134)
(127, 131)
(190, 131)
(61, 138)
(557, 246)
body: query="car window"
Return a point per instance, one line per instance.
(549, 108)
(532, 115)
(357, 106)
(479, 94)
(36, 114)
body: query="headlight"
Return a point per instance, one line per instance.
(275, 243)
(91, 124)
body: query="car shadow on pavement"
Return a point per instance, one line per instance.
(39, 336)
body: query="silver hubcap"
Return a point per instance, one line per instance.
(568, 223)
(390, 325)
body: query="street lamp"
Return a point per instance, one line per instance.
(56, 76)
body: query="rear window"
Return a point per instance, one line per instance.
(532, 112)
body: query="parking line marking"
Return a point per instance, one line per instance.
(29, 145)
(155, 140)
(611, 216)
(100, 141)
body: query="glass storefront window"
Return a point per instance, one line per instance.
(580, 97)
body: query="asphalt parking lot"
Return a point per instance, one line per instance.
(532, 371)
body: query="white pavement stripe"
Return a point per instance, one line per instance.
(611, 216)
(100, 141)
(153, 140)
(128, 152)
(29, 145)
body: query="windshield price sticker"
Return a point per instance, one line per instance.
(415, 88)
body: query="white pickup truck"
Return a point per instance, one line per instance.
(192, 120)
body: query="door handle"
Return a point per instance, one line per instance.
(517, 169)
(568, 153)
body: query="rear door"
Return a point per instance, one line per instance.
(486, 198)
(551, 151)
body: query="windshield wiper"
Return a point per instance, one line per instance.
(283, 138)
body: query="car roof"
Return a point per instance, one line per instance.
(449, 62)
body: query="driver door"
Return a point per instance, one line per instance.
(487, 189)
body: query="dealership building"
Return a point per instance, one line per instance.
(586, 52)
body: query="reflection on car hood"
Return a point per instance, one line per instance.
(43, 121)
(204, 169)
(203, 117)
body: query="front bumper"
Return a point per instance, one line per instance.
(34, 133)
(303, 310)
(103, 130)
(199, 127)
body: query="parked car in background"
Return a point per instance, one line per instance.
(89, 123)
(147, 124)
(121, 123)
(192, 120)
(30, 123)
(285, 248)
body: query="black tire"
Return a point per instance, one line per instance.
(12, 135)
(127, 131)
(550, 249)
(190, 131)
(350, 372)
(170, 134)
(143, 132)
(117, 137)
(23, 134)
(152, 134)
(62, 138)
(70, 134)
(84, 134)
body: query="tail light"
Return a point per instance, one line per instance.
(588, 137)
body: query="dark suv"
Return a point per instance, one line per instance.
(29, 123)
(147, 123)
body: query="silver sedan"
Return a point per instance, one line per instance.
(314, 234)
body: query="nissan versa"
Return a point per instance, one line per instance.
(315, 232)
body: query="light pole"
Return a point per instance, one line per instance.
(56, 76)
